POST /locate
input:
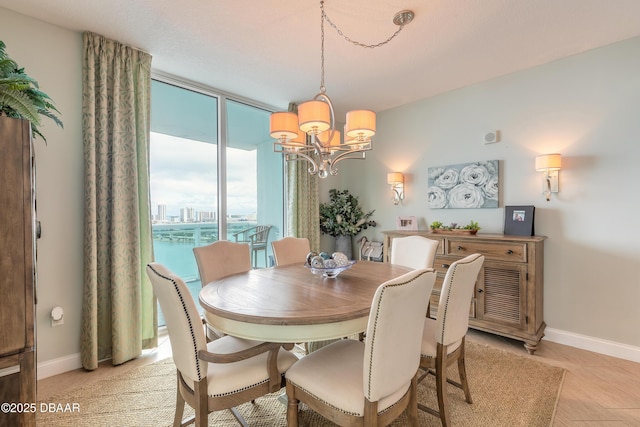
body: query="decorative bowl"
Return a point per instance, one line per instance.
(330, 272)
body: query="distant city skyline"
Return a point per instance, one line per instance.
(183, 174)
(189, 215)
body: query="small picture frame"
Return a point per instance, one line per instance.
(519, 220)
(406, 223)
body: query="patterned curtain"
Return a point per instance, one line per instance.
(119, 315)
(303, 203)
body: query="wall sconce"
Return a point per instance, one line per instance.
(549, 165)
(396, 180)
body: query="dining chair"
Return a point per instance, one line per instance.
(369, 383)
(217, 260)
(290, 250)
(414, 251)
(220, 374)
(443, 339)
(257, 238)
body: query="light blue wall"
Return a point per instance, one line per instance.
(586, 107)
(53, 56)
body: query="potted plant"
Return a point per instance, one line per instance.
(20, 96)
(343, 218)
(438, 227)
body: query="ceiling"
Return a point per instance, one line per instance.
(269, 50)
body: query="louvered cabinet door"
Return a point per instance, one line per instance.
(501, 295)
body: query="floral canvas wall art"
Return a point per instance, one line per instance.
(464, 186)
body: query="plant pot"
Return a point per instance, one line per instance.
(344, 244)
(454, 231)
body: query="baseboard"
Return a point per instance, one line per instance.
(59, 366)
(584, 342)
(597, 345)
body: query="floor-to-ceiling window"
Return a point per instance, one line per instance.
(213, 174)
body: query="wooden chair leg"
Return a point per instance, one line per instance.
(177, 419)
(292, 407)
(462, 370)
(202, 410)
(238, 416)
(441, 382)
(370, 413)
(412, 409)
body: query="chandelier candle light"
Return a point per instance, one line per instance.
(311, 134)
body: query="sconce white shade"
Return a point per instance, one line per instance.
(283, 125)
(360, 123)
(395, 178)
(549, 165)
(548, 162)
(314, 117)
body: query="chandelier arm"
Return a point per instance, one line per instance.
(344, 156)
(324, 97)
(313, 169)
(317, 146)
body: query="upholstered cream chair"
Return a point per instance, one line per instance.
(257, 237)
(414, 251)
(354, 383)
(443, 339)
(291, 250)
(218, 375)
(217, 260)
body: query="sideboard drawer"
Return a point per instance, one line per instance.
(503, 251)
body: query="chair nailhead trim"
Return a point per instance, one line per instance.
(184, 308)
(375, 323)
(325, 402)
(243, 388)
(446, 305)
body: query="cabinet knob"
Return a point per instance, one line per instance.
(480, 291)
(509, 252)
(445, 265)
(460, 248)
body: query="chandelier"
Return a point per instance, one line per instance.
(311, 134)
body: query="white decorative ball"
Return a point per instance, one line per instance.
(340, 258)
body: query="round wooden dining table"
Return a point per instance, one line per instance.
(289, 304)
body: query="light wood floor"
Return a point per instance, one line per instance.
(597, 391)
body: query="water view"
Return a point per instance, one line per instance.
(173, 247)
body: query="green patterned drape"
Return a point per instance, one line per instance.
(303, 203)
(119, 315)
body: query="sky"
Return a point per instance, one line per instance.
(183, 174)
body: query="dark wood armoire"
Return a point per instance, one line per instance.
(17, 272)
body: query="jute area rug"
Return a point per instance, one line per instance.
(507, 389)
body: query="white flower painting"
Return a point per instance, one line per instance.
(464, 186)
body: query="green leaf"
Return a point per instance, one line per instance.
(20, 96)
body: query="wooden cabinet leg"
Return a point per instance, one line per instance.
(531, 346)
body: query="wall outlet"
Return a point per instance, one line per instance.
(57, 316)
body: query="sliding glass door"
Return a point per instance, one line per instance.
(213, 175)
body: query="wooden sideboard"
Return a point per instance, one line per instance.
(508, 298)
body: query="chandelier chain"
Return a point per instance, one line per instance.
(322, 18)
(347, 38)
